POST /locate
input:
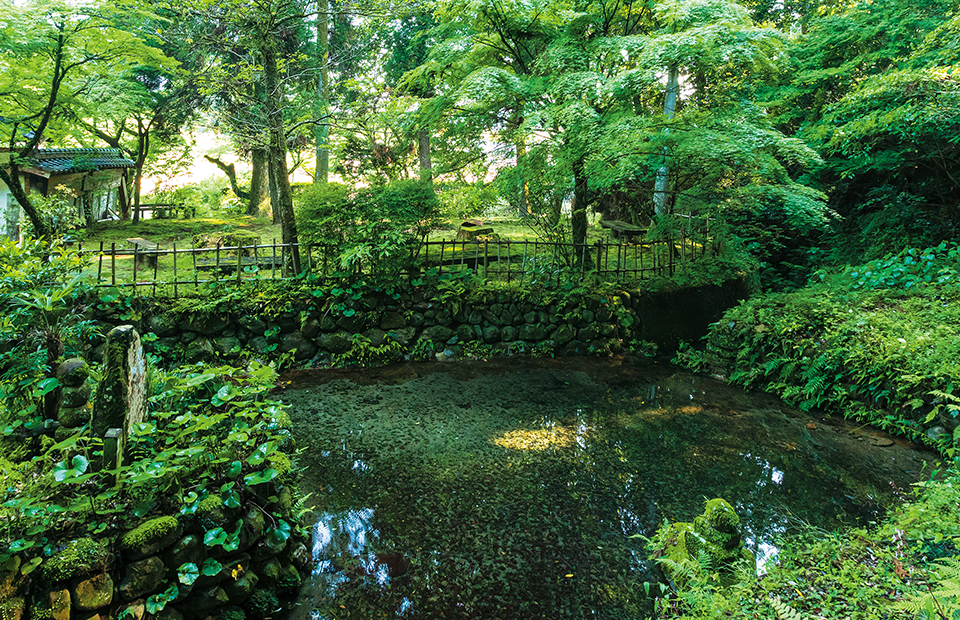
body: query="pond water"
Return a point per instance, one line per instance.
(514, 488)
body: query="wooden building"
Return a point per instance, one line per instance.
(95, 176)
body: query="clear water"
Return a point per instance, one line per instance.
(514, 489)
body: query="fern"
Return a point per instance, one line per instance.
(784, 611)
(942, 601)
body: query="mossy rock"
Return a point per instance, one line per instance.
(13, 609)
(680, 547)
(79, 558)
(150, 538)
(93, 593)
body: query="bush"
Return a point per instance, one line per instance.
(380, 227)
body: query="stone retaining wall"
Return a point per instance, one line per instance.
(135, 573)
(418, 325)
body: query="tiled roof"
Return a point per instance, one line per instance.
(78, 160)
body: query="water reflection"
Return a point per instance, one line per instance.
(500, 492)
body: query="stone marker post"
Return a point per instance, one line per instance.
(121, 397)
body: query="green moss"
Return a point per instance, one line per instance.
(289, 579)
(152, 530)
(715, 534)
(721, 515)
(262, 603)
(280, 462)
(79, 557)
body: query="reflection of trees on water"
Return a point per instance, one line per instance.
(527, 510)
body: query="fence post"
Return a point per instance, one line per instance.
(486, 256)
(273, 263)
(100, 263)
(239, 262)
(174, 269)
(156, 269)
(113, 263)
(599, 255)
(136, 259)
(443, 243)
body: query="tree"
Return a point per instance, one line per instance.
(875, 92)
(137, 111)
(253, 61)
(50, 54)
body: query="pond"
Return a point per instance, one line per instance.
(516, 488)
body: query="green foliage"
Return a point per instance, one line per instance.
(943, 600)
(59, 213)
(209, 429)
(379, 228)
(877, 574)
(872, 343)
(42, 321)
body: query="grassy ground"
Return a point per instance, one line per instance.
(492, 257)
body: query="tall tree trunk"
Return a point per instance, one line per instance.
(423, 154)
(578, 212)
(663, 174)
(321, 131)
(272, 183)
(259, 191)
(278, 158)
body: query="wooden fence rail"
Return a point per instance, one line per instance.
(497, 260)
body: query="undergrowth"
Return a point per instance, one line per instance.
(876, 343)
(893, 570)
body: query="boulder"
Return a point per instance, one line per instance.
(73, 372)
(491, 334)
(392, 320)
(150, 538)
(142, 578)
(437, 333)
(93, 593)
(206, 600)
(79, 558)
(337, 342)
(240, 589)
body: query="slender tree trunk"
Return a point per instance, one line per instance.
(231, 171)
(123, 195)
(321, 131)
(278, 156)
(11, 179)
(259, 191)
(272, 183)
(578, 212)
(423, 154)
(663, 174)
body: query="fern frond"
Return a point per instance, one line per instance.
(942, 601)
(784, 611)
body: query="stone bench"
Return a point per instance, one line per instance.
(146, 251)
(470, 233)
(623, 229)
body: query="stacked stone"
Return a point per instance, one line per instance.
(85, 581)
(75, 407)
